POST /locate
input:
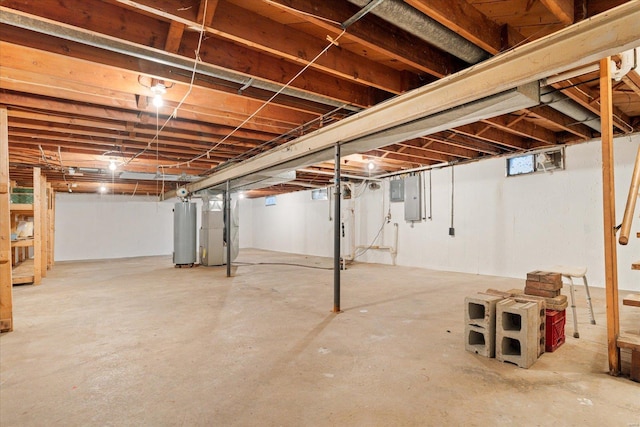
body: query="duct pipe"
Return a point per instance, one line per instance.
(628, 62)
(112, 44)
(415, 22)
(556, 100)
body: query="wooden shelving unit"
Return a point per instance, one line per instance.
(27, 269)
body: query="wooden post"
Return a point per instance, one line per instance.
(6, 285)
(52, 226)
(44, 226)
(37, 228)
(609, 207)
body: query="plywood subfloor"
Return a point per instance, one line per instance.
(138, 342)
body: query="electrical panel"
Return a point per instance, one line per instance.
(412, 198)
(396, 190)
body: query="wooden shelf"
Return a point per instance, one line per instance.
(22, 243)
(632, 299)
(21, 207)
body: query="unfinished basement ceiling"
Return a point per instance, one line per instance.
(76, 77)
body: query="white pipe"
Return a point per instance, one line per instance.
(628, 61)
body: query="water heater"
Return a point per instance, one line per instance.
(184, 233)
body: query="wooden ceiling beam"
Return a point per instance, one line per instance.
(561, 9)
(454, 140)
(112, 119)
(256, 32)
(557, 118)
(440, 148)
(218, 53)
(87, 77)
(590, 100)
(464, 19)
(523, 128)
(174, 37)
(480, 131)
(374, 34)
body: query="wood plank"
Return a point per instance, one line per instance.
(562, 9)
(37, 227)
(174, 37)
(22, 207)
(630, 341)
(374, 34)
(635, 265)
(609, 214)
(632, 299)
(6, 292)
(464, 19)
(22, 243)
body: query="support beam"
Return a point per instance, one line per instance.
(609, 208)
(336, 232)
(6, 287)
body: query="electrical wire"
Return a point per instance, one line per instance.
(385, 222)
(239, 264)
(332, 42)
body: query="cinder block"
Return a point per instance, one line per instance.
(480, 340)
(517, 332)
(480, 310)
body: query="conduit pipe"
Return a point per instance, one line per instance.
(555, 99)
(415, 22)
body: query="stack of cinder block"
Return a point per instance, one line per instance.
(507, 327)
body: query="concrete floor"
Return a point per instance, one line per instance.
(138, 342)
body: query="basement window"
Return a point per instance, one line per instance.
(541, 161)
(270, 201)
(319, 194)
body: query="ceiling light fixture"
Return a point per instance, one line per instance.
(112, 166)
(103, 189)
(371, 166)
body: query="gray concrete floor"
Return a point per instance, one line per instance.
(138, 342)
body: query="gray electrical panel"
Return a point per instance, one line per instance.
(396, 190)
(412, 198)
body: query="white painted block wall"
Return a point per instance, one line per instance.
(504, 226)
(92, 226)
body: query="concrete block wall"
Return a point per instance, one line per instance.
(517, 332)
(480, 324)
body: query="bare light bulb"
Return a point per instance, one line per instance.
(371, 166)
(158, 90)
(103, 189)
(241, 196)
(157, 101)
(112, 166)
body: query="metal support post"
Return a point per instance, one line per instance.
(227, 226)
(336, 233)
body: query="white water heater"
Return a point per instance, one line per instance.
(184, 233)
